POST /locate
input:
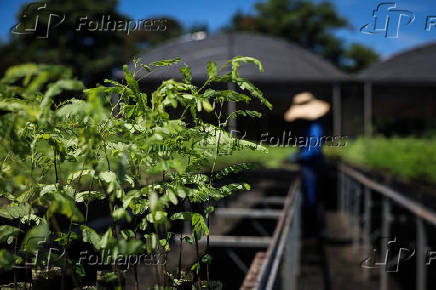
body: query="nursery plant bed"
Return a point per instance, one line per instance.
(116, 173)
(234, 240)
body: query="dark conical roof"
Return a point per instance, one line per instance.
(283, 61)
(415, 65)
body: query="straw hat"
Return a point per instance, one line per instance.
(306, 106)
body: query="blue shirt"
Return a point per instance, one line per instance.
(313, 142)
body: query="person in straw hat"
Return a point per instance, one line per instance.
(307, 111)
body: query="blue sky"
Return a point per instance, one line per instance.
(218, 13)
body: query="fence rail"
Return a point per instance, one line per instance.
(351, 184)
(284, 250)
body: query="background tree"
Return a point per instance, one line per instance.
(91, 54)
(309, 24)
(145, 39)
(360, 57)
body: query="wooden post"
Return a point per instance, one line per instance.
(337, 111)
(421, 247)
(356, 217)
(385, 229)
(297, 250)
(367, 109)
(340, 191)
(348, 198)
(367, 226)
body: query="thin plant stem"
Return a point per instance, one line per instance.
(15, 252)
(105, 154)
(73, 276)
(55, 164)
(114, 232)
(211, 173)
(87, 202)
(198, 260)
(180, 257)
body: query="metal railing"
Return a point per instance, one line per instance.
(352, 184)
(280, 267)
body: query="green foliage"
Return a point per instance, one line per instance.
(91, 53)
(407, 158)
(311, 25)
(274, 158)
(63, 204)
(58, 157)
(90, 236)
(8, 260)
(7, 233)
(35, 237)
(361, 57)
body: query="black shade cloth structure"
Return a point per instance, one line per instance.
(417, 65)
(283, 61)
(404, 76)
